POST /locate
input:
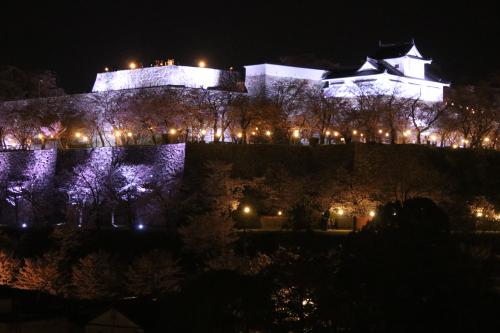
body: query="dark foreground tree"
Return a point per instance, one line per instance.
(95, 277)
(153, 274)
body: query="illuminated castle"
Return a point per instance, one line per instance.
(398, 69)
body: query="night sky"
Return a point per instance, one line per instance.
(77, 40)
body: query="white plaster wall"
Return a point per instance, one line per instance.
(285, 72)
(386, 84)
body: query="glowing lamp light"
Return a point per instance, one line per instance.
(240, 135)
(296, 133)
(246, 210)
(433, 138)
(203, 132)
(280, 213)
(202, 64)
(24, 225)
(40, 136)
(173, 131)
(268, 133)
(455, 146)
(335, 133)
(140, 226)
(340, 211)
(486, 139)
(218, 134)
(479, 214)
(387, 134)
(253, 133)
(85, 139)
(354, 132)
(372, 213)
(361, 135)
(118, 133)
(132, 65)
(129, 134)
(380, 131)
(106, 69)
(78, 134)
(327, 133)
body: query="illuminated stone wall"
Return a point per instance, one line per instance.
(88, 178)
(189, 77)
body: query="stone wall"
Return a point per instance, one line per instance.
(84, 179)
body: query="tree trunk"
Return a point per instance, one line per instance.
(101, 138)
(419, 140)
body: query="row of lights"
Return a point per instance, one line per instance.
(134, 65)
(340, 212)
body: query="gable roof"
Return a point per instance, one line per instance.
(376, 66)
(388, 51)
(113, 318)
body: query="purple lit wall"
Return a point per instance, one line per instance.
(99, 177)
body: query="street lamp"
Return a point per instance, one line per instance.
(132, 65)
(246, 210)
(202, 64)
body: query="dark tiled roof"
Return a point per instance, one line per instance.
(387, 51)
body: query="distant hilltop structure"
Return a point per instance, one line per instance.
(398, 69)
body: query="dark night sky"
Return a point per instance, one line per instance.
(77, 40)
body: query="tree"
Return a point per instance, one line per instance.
(208, 235)
(245, 111)
(475, 111)
(8, 268)
(18, 84)
(284, 107)
(41, 274)
(215, 107)
(153, 274)
(301, 215)
(424, 116)
(416, 215)
(322, 111)
(94, 277)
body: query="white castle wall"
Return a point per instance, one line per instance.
(427, 91)
(260, 78)
(190, 77)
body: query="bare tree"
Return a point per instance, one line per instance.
(322, 111)
(475, 111)
(424, 116)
